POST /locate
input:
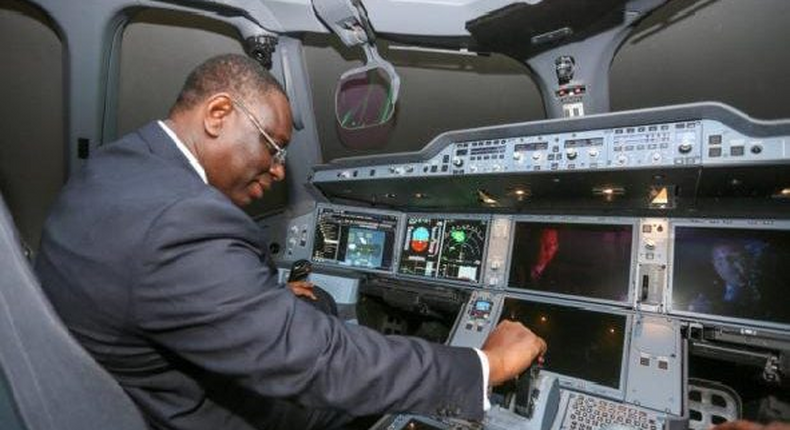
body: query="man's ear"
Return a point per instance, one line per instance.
(217, 108)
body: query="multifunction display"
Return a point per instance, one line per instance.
(732, 272)
(583, 344)
(589, 260)
(355, 239)
(444, 248)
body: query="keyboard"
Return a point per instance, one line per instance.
(592, 413)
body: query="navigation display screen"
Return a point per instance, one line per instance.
(355, 239)
(732, 272)
(444, 248)
(589, 260)
(582, 344)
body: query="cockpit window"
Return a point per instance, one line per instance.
(32, 121)
(439, 92)
(167, 45)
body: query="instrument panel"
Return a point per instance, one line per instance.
(720, 270)
(444, 248)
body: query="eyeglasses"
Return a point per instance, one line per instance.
(279, 152)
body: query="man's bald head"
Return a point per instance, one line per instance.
(234, 74)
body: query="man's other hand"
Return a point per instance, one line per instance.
(302, 289)
(511, 348)
(750, 425)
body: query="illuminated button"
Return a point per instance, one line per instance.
(736, 151)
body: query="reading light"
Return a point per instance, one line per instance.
(390, 195)
(485, 197)
(521, 193)
(784, 193)
(420, 195)
(659, 197)
(608, 191)
(543, 319)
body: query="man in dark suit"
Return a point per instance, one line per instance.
(156, 270)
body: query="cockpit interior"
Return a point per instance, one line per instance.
(615, 175)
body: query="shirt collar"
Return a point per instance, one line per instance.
(181, 147)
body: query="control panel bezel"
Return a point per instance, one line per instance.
(444, 216)
(717, 223)
(399, 216)
(570, 382)
(559, 219)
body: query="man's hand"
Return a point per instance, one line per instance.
(749, 425)
(303, 289)
(511, 348)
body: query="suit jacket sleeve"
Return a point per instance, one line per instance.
(204, 293)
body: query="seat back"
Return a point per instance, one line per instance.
(47, 381)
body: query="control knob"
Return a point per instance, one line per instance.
(650, 244)
(593, 153)
(656, 157)
(572, 154)
(517, 156)
(685, 147)
(536, 156)
(458, 161)
(621, 159)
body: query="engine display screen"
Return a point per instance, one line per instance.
(355, 239)
(732, 272)
(583, 344)
(589, 260)
(444, 248)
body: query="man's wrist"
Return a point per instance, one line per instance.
(486, 369)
